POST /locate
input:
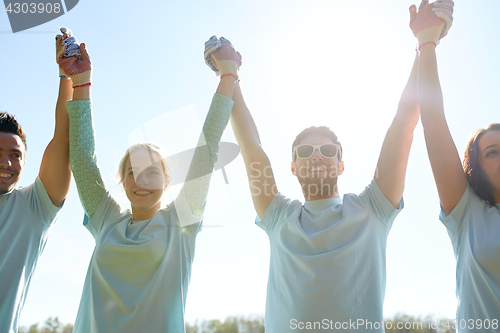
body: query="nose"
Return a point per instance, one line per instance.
(317, 154)
(142, 180)
(5, 161)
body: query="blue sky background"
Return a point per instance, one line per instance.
(322, 62)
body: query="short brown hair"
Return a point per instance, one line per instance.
(9, 124)
(475, 175)
(322, 130)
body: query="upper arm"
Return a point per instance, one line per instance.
(260, 178)
(55, 172)
(445, 162)
(391, 167)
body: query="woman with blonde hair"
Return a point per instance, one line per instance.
(139, 273)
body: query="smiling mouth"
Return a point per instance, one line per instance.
(143, 192)
(5, 175)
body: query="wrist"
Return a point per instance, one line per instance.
(231, 76)
(428, 44)
(81, 93)
(81, 79)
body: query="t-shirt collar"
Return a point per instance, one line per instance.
(322, 203)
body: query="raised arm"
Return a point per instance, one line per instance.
(198, 178)
(87, 175)
(259, 170)
(260, 175)
(54, 170)
(393, 160)
(443, 155)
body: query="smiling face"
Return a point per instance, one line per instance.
(144, 182)
(489, 161)
(317, 174)
(12, 153)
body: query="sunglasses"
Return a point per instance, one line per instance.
(327, 150)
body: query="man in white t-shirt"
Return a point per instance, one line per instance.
(27, 213)
(327, 266)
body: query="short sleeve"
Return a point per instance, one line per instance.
(278, 211)
(373, 197)
(453, 221)
(39, 201)
(107, 211)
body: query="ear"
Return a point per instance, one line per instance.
(293, 168)
(341, 168)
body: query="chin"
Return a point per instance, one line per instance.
(6, 189)
(318, 186)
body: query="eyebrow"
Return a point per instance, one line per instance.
(149, 167)
(14, 150)
(489, 147)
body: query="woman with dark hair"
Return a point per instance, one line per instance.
(476, 170)
(469, 193)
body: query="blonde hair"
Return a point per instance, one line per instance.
(150, 147)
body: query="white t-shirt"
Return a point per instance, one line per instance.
(139, 273)
(26, 217)
(474, 229)
(327, 268)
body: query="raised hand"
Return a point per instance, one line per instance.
(72, 46)
(432, 21)
(73, 59)
(444, 10)
(221, 57)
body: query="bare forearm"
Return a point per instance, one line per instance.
(62, 122)
(258, 167)
(429, 88)
(243, 125)
(443, 155)
(226, 86)
(81, 93)
(54, 169)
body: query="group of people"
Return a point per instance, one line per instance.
(327, 254)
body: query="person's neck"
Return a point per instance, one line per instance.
(142, 215)
(334, 193)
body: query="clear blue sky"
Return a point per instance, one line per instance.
(337, 63)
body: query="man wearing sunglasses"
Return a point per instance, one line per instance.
(327, 269)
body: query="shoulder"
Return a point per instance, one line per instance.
(372, 200)
(469, 207)
(280, 209)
